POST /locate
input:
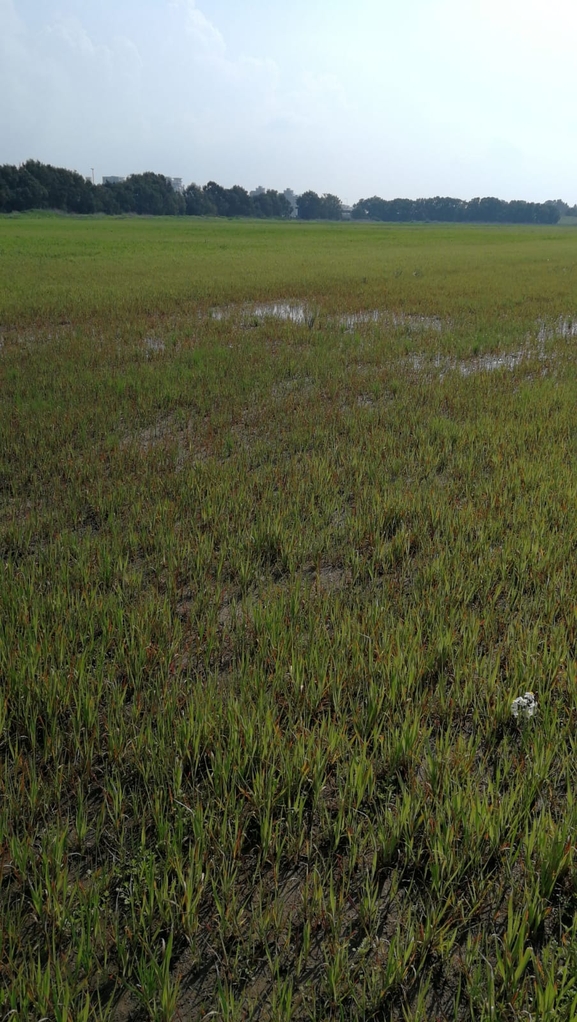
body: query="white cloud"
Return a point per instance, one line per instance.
(71, 32)
(209, 50)
(200, 29)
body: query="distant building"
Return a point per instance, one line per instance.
(347, 212)
(112, 180)
(176, 183)
(291, 197)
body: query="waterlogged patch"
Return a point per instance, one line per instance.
(397, 320)
(564, 328)
(290, 312)
(306, 315)
(488, 363)
(302, 314)
(355, 319)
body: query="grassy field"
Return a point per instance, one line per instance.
(287, 520)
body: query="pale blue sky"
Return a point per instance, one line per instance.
(413, 98)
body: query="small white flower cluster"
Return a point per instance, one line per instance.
(524, 707)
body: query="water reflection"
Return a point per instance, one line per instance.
(301, 313)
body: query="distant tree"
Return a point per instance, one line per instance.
(518, 212)
(271, 203)
(315, 207)
(550, 215)
(360, 210)
(403, 209)
(147, 194)
(214, 200)
(198, 202)
(562, 208)
(282, 205)
(239, 202)
(442, 208)
(309, 206)
(107, 200)
(486, 210)
(376, 208)
(65, 189)
(20, 190)
(36, 185)
(331, 207)
(8, 185)
(262, 204)
(151, 194)
(217, 195)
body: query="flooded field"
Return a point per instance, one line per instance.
(287, 622)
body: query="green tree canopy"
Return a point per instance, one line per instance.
(35, 185)
(309, 206)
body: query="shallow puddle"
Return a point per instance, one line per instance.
(292, 312)
(407, 321)
(564, 328)
(355, 319)
(289, 311)
(301, 313)
(488, 363)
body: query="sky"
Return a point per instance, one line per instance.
(408, 98)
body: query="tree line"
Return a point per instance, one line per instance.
(35, 185)
(487, 210)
